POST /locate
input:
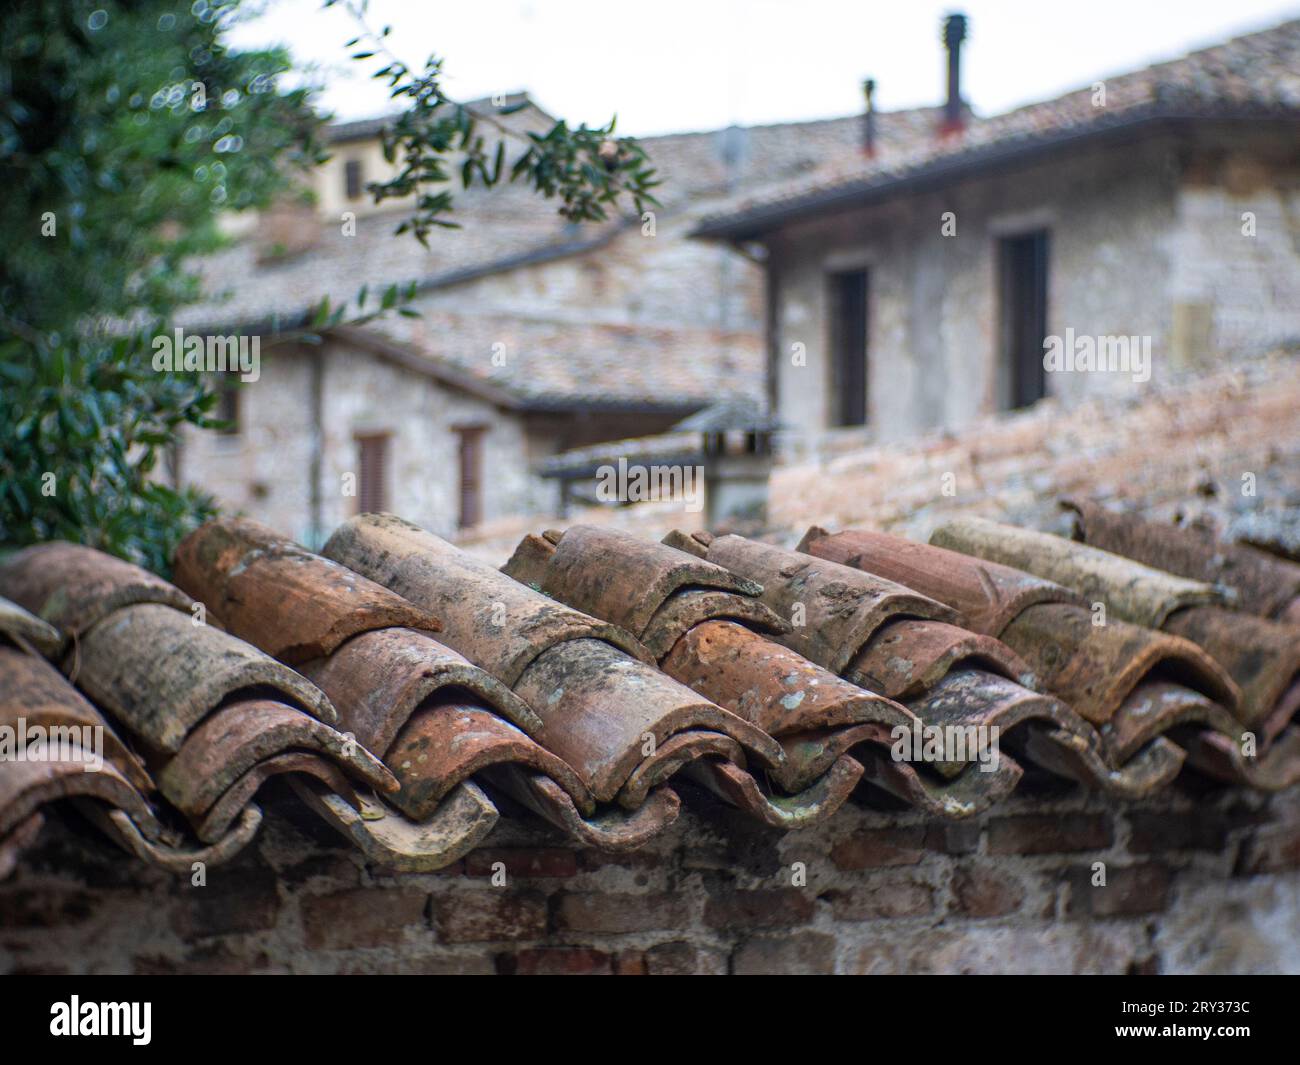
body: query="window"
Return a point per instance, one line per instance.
(372, 473)
(1023, 268)
(352, 179)
(227, 408)
(848, 370)
(471, 475)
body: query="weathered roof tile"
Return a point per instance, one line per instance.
(243, 737)
(294, 605)
(600, 668)
(988, 596)
(74, 587)
(1265, 584)
(161, 674)
(1132, 591)
(833, 610)
(20, 626)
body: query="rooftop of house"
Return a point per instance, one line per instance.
(253, 284)
(1253, 77)
(412, 694)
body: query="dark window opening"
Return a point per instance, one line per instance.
(471, 475)
(849, 348)
(352, 179)
(173, 457)
(227, 408)
(1024, 318)
(372, 473)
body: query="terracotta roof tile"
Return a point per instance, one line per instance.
(605, 710)
(907, 657)
(817, 715)
(833, 610)
(599, 670)
(1261, 657)
(73, 587)
(1132, 591)
(988, 596)
(1264, 584)
(161, 674)
(241, 744)
(496, 623)
(24, 628)
(424, 708)
(36, 697)
(1106, 672)
(254, 580)
(704, 624)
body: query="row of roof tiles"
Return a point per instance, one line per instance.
(400, 684)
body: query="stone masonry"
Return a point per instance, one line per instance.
(1210, 885)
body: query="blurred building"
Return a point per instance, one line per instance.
(535, 336)
(919, 285)
(846, 281)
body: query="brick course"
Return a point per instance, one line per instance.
(1205, 884)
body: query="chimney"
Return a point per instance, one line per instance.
(954, 33)
(869, 117)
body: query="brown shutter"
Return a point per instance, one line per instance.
(372, 473)
(227, 410)
(352, 179)
(471, 475)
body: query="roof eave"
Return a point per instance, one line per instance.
(756, 223)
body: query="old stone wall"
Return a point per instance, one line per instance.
(1145, 239)
(264, 470)
(1207, 884)
(601, 322)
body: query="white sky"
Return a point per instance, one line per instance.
(669, 65)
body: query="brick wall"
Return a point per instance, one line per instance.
(1192, 885)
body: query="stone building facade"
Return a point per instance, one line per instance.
(859, 280)
(533, 337)
(1161, 206)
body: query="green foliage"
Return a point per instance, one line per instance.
(82, 425)
(127, 128)
(102, 128)
(586, 169)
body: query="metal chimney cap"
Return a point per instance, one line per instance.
(954, 30)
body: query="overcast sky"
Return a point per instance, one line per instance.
(667, 65)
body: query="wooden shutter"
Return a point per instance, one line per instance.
(372, 473)
(471, 475)
(227, 409)
(352, 179)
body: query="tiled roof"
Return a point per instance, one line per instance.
(368, 128)
(1254, 76)
(557, 364)
(407, 690)
(1264, 584)
(562, 364)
